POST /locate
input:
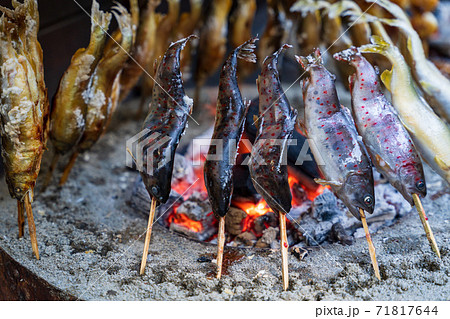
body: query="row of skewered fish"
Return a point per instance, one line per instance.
(94, 83)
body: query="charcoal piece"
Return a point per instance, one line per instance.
(299, 252)
(196, 207)
(204, 259)
(182, 169)
(246, 238)
(268, 237)
(233, 221)
(338, 234)
(325, 207)
(269, 219)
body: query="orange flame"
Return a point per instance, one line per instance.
(253, 212)
(185, 221)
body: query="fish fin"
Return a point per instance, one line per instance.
(325, 182)
(382, 163)
(386, 77)
(246, 51)
(442, 165)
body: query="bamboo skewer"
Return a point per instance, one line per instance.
(31, 225)
(284, 252)
(68, 168)
(426, 225)
(147, 236)
(20, 218)
(220, 245)
(372, 252)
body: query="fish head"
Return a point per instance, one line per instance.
(357, 192)
(19, 185)
(412, 181)
(158, 184)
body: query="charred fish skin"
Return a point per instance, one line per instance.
(168, 115)
(67, 118)
(346, 166)
(387, 141)
(229, 126)
(276, 124)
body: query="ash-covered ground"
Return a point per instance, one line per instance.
(91, 243)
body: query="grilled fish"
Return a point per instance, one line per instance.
(387, 141)
(67, 119)
(230, 119)
(336, 146)
(430, 134)
(167, 118)
(268, 161)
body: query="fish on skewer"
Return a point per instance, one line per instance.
(102, 92)
(142, 51)
(344, 162)
(430, 134)
(67, 118)
(275, 31)
(213, 42)
(387, 141)
(268, 160)
(167, 119)
(229, 126)
(241, 21)
(24, 111)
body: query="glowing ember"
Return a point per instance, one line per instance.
(253, 212)
(183, 220)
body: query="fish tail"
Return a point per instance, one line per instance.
(313, 59)
(378, 45)
(344, 8)
(98, 17)
(347, 55)
(123, 18)
(246, 51)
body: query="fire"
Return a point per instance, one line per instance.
(253, 212)
(183, 220)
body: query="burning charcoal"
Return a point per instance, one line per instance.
(269, 236)
(325, 206)
(246, 239)
(233, 220)
(338, 234)
(196, 207)
(204, 259)
(299, 252)
(298, 194)
(267, 220)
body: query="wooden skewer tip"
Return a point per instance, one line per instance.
(426, 225)
(147, 236)
(31, 226)
(372, 251)
(220, 246)
(284, 252)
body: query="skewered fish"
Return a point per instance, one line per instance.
(387, 141)
(346, 167)
(168, 115)
(102, 92)
(24, 108)
(431, 136)
(230, 120)
(167, 118)
(213, 42)
(142, 51)
(67, 119)
(241, 22)
(268, 161)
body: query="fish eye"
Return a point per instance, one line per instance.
(18, 190)
(420, 185)
(368, 200)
